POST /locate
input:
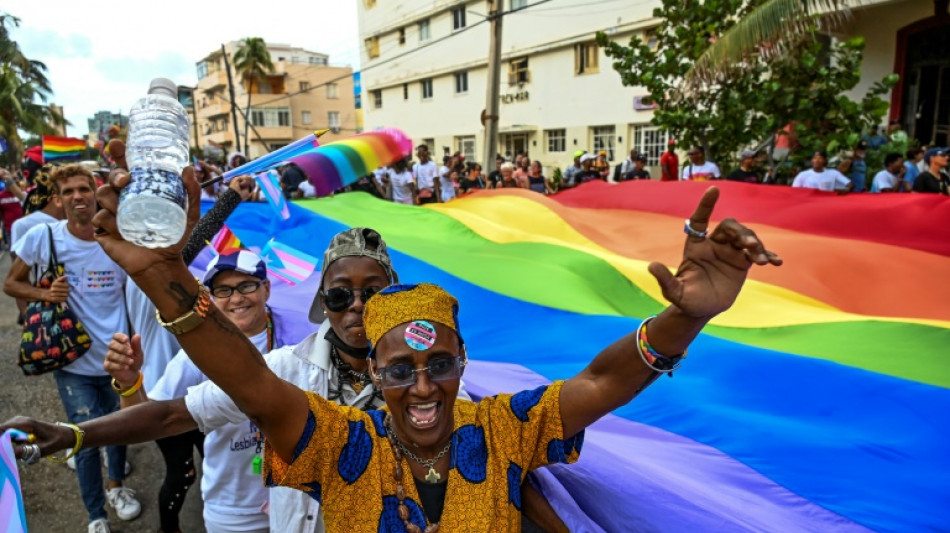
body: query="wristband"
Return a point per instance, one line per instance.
(80, 434)
(653, 359)
(125, 393)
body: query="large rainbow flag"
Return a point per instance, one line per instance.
(819, 402)
(62, 148)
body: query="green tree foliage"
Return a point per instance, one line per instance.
(24, 90)
(748, 103)
(252, 62)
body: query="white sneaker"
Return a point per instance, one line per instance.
(71, 464)
(99, 526)
(122, 499)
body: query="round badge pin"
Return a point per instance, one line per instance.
(420, 335)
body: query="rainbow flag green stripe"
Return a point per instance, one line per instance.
(556, 276)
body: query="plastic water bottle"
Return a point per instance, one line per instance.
(153, 207)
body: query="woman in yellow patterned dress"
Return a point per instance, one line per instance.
(427, 462)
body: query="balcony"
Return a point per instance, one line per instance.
(213, 110)
(213, 80)
(224, 138)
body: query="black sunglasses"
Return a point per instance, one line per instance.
(340, 298)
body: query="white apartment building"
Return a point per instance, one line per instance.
(558, 93)
(424, 70)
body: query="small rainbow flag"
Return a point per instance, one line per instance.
(226, 242)
(288, 264)
(60, 148)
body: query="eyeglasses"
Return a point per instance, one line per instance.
(245, 287)
(340, 298)
(404, 374)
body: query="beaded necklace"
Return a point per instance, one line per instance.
(403, 510)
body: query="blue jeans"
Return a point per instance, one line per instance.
(85, 398)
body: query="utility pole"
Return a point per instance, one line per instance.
(490, 116)
(227, 67)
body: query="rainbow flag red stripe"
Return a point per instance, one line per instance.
(225, 242)
(59, 148)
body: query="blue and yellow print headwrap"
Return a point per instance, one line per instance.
(399, 304)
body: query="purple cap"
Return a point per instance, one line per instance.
(243, 261)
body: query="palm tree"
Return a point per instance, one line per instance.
(24, 90)
(252, 61)
(768, 28)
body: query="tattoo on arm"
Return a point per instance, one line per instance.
(182, 297)
(233, 330)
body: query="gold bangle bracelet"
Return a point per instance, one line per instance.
(125, 393)
(80, 434)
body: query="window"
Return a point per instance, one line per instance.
(603, 139)
(304, 86)
(305, 118)
(428, 142)
(372, 47)
(313, 60)
(377, 98)
(586, 58)
(426, 88)
(202, 69)
(424, 34)
(518, 71)
(556, 140)
(402, 35)
(333, 118)
(405, 91)
(650, 141)
(518, 4)
(332, 90)
(458, 18)
(270, 117)
(461, 82)
(649, 37)
(466, 145)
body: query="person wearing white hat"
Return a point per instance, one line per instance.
(233, 496)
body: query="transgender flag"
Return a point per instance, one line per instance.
(12, 516)
(290, 265)
(269, 182)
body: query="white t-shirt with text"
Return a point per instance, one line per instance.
(96, 286)
(233, 494)
(828, 179)
(706, 171)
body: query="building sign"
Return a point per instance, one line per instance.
(521, 96)
(643, 103)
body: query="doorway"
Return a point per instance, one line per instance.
(925, 110)
(514, 144)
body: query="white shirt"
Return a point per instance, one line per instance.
(233, 494)
(308, 190)
(425, 174)
(883, 180)
(307, 366)
(158, 344)
(828, 179)
(706, 171)
(95, 288)
(401, 181)
(23, 224)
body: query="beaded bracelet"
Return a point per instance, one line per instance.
(80, 434)
(125, 393)
(653, 359)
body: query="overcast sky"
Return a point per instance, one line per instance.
(101, 56)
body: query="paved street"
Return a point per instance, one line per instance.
(50, 490)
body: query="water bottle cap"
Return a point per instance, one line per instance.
(163, 86)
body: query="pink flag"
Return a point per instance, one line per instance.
(269, 183)
(287, 264)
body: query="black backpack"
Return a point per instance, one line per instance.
(617, 176)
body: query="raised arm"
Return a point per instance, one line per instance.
(217, 347)
(706, 283)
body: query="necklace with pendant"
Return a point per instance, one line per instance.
(403, 509)
(432, 476)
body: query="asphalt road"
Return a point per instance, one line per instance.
(51, 491)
